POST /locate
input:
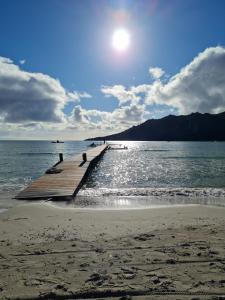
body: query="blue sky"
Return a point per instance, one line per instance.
(71, 42)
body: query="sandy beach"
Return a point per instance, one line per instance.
(161, 253)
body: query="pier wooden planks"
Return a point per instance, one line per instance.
(66, 183)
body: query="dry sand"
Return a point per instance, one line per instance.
(161, 253)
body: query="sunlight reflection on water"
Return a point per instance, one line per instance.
(158, 173)
(184, 165)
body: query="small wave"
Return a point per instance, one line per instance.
(149, 197)
(14, 184)
(154, 192)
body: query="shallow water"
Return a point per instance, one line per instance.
(147, 174)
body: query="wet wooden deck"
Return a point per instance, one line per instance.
(67, 182)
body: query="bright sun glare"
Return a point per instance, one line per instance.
(121, 40)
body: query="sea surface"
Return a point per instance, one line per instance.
(147, 174)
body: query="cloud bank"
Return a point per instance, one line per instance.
(120, 92)
(36, 100)
(120, 118)
(199, 86)
(26, 96)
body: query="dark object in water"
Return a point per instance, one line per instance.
(57, 142)
(118, 148)
(92, 145)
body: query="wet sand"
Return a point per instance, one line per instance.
(160, 253)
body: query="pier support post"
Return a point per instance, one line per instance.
(60, 157)
(84, 155)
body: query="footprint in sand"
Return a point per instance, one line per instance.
(144, 237)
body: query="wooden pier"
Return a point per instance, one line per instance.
(64, 179)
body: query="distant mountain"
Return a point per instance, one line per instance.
(193, 127)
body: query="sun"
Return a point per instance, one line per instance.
(121, 40)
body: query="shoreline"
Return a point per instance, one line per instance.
(48, 252)
(69, 206)
(131, 198)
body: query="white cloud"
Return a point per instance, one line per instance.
(156, 73)
(22, 61)
(128, 115)
(79, 115)
(85, 95)
(199, 86)
(28, 96)
(120, 92)
(31, 97)
(119, 119)
(76, 96)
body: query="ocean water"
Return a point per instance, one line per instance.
(147, 174)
